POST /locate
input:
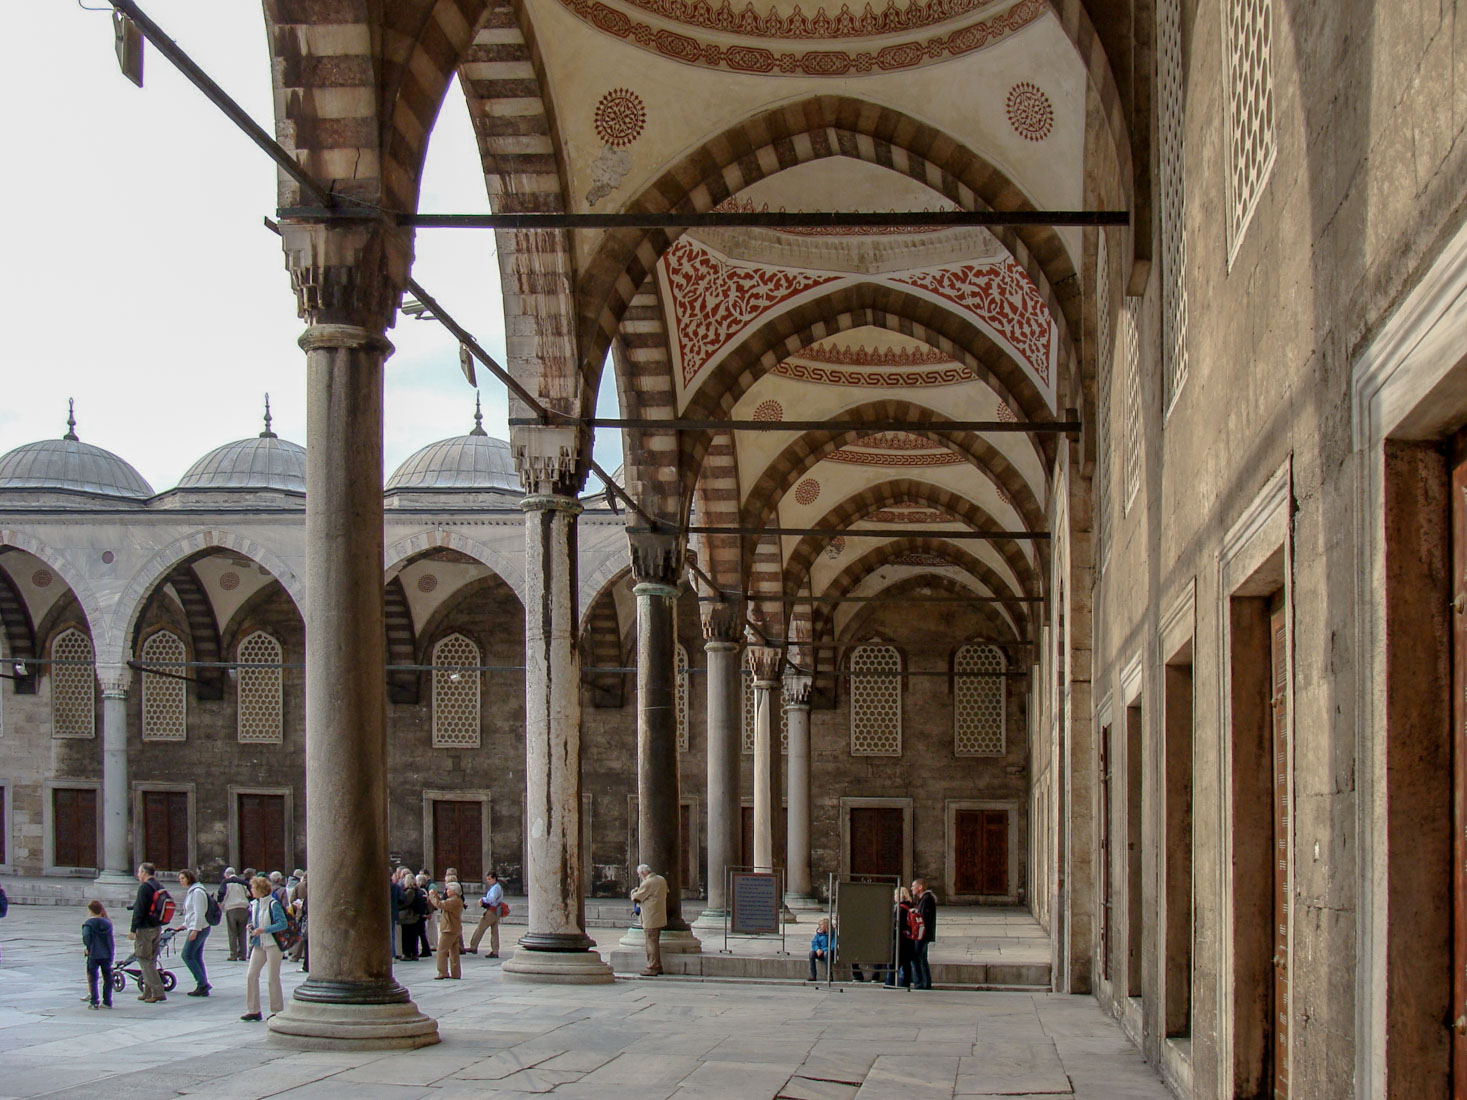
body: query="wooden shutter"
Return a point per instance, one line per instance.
(262, 832)
(74, 827)
(458, 839)
(876, 841)
(165, 829)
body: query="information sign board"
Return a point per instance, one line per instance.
(754, 902)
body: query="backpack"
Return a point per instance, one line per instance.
(161, 908)
(291, 935)
(212, 913)
(915, 925)
(4, 902)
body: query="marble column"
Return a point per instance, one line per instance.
(723, 629)
(555, 948)
(117, 866)
(657, 566)
(765, 662)
(798, 892)
(348, 280)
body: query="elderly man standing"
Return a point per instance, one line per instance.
(450, 929)
(234, 899)
(651, 896)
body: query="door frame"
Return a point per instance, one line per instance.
(234, 850)
(950, 817)
(48, 826)
(139, 787)
(7, 815)
(486, 829)
(903, 804)
(694, 806)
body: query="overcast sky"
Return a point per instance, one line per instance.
(138, 276)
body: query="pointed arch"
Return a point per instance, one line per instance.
(98, 622)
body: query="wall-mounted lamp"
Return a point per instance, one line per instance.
(20, 669)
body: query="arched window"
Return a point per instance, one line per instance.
(456, 693)
(978, 700)
(681, 697)
(259, 710)
(165, 699)
(876, 701)
(747, 683)
(73, 686)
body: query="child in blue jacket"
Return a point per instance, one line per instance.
(822, 946)
(98, 948)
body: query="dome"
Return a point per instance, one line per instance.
(265, 462)
(473, 461)
(71, 465)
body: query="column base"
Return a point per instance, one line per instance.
(803, 903)
(673, 941)
(557, 968)
(116, 878)
(711, 920)
(318, 1025)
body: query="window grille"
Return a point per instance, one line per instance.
(1173, 100)
(747, 682)
(876, 701)
(681, 697)
(259, 710)
(1104, 359)
(456, 693)
(73, 687)
(978, 701)
(1128, 358)
(1247, 55)
(165, 699)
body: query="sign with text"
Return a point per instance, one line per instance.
(754, 902)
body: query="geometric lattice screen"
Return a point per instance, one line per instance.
(1128, 364)
(1247, 53)
(876, 701)
(680, 695)
(747, 683)
(1105, 357)
(978, 698)
(165, 699)
(456, 693)
(1171, 117)
(259, 711)
(73, 687)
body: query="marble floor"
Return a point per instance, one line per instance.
(645, 1039)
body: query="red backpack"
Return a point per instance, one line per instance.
(161, 909)
(915, 924)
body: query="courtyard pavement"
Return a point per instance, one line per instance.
(646, 1039)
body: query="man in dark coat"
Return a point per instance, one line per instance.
(927, 907)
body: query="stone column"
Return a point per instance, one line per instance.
(723, 627)
(657, 565)
(348, 280)
(798, 894)
(555, 948)
(117, 866)
(765, 662)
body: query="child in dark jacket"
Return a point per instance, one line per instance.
(97, 944)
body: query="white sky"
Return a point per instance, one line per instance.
(138, 276)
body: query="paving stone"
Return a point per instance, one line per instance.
(808, 1088)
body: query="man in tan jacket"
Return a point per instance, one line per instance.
(651, 895)
(450, 929)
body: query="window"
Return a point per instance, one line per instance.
(681, 697)
(747, 680)
(1247, 57)
(1172, 117)
(456, 693)
(978, 700)
(876, 701)
(165, 698)
(73, 687)
(259, 710)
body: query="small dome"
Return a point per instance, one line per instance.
(71, 465)
(265, 462)
(463, 462)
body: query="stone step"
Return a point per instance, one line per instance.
(710, 965)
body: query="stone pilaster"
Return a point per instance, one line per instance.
(555, 948)
(657, 567)
(765, 661)
(117, 865)
(798, 892)
(348, 281)
(723, 633)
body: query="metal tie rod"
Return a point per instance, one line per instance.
(740, 219)
(858, 532)
(869, 427)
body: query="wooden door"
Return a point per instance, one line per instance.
(1103, 827)
(1278, 653)
(688, 861)
(262, 832)
(876, 841)
(74, 827)
(1459, 783)
(981, 851)
(165, 829)
(458, 839)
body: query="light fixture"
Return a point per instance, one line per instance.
(455, 676)
(20, 669)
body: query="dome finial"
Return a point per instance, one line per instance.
(478, 428)
(267, 433)
(70, 420)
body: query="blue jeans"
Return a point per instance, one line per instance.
(103, 967)
(921, 972)
(193, 957)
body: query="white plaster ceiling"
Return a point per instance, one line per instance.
(230, 580)
(39, 585)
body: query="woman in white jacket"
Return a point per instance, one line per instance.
(196, 921)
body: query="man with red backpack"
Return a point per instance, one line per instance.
(151, 910)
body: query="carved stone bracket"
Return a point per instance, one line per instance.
(658, 558)
(798, 687)
(347, 274)
(724, 622)
(548, 460)
(114, 680)
(765, 662)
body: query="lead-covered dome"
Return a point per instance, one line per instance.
(265, 462)
(473, 461)
(69, 465)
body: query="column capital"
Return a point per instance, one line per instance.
(723, 623)
(548, 460)
(658, 558)
(347, 276)
(798, 687)
(114, 680)
(765, 662)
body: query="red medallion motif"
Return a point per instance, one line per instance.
(229, 581)
(427, 582)
(620, 118)
(1030, 112)
(836, 547)
(1005, 414)
(769, 410)
(807, 491)
(41, 578)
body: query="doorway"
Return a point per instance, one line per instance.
(261, 819)
(73, 827)
(458, 839)
(981, 852)
(165, 829)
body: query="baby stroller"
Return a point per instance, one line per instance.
(129, 967)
